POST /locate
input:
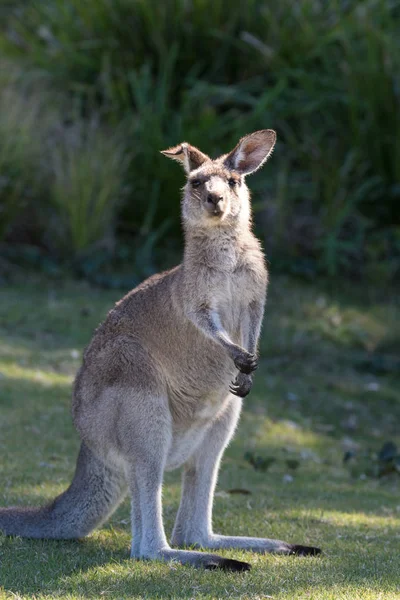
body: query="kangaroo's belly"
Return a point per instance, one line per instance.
(184, 444)
(187, 437)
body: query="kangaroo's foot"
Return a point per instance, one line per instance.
(201, 560)
(259, 545)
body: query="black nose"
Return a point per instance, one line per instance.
(214, 198)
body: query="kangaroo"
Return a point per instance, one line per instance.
(162, 381)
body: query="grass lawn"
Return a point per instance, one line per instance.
(328, 382)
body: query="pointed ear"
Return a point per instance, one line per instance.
(188, 155)
(251, 152)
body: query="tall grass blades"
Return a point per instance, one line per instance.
(20, 155)
(87, 174)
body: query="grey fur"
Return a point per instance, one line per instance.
(160, 380)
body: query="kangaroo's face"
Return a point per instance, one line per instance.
(215, 192)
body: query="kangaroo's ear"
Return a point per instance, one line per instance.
(251, 152)
(188, 155)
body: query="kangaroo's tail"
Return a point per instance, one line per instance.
(93, 495)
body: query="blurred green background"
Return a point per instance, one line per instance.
(91, 91)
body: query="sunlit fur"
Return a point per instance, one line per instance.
(161, 382)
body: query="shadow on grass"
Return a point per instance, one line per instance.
(99, 565)
(72, 568)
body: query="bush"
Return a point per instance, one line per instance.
(325, 75)
(87, 167)
(62, 177)
(20, 144)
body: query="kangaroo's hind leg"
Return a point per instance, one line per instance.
(194, 520)
(146, 436)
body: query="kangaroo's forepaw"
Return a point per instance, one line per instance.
(246, 362)
(242, 385)
(300, 550)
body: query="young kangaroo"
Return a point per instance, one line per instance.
(162, 379)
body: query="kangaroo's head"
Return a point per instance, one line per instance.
(216, 193)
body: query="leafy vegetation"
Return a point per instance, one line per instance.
(20, 149)
(149, 73)
(314, 399)
(86, 185)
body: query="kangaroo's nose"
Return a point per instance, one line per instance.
(214, 198)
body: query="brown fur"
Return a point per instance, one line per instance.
(161, 380)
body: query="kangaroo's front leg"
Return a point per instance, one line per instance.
(207, 320)
(250, 328)
(194, 520)
(146, 451)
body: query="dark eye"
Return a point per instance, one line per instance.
(232, 182)
(195, 183)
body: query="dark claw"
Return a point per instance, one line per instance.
(300, 550)
(228, 564)
(239, 391)
(242, 385)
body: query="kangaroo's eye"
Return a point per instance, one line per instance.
(195, 183)
(232, 182)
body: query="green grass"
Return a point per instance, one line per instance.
(321, 351)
